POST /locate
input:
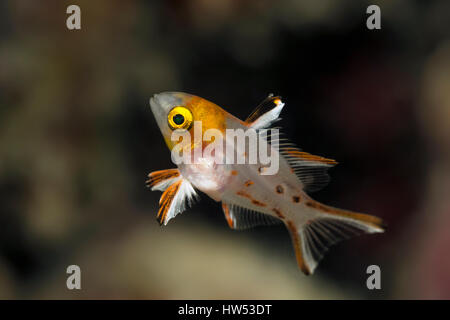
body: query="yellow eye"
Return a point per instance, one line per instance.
(180, 118)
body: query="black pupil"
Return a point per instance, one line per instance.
(178, 119)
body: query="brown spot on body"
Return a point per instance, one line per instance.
(248, 183)
(234, 172)
(248, 196)
(258, 203)
(310, 204)
(243, 194)
(296, 199)
(279, 189)
(278, 213)
(317, 205)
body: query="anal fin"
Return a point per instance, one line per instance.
(240, 218)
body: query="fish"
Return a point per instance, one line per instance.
(248, 196)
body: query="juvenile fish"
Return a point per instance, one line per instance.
(250, 197)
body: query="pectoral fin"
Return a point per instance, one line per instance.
(161, 179)
(178, 193)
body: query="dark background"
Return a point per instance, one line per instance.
(77, 140)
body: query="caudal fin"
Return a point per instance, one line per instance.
(312, 239)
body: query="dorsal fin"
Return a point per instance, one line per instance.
(266, 112)
(310, 169)
(240, 218)
(297, 155)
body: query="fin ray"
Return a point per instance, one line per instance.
(310, 169)
(314, 237)
(178, 193)
(240, 218)
(162, 179)
(266, 113)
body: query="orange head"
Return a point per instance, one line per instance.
(178, 110)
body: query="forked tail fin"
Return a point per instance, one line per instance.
(312, 239)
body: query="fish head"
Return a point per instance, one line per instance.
(183, 111)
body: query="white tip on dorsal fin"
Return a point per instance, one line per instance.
(178, 193)
(266, 113)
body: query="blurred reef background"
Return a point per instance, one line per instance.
(77, 140)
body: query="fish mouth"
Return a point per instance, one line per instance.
(158, 112)
(160, 107)
(165, 101)
(155, 104)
